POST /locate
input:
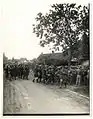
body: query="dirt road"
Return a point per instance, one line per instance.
(31, 98)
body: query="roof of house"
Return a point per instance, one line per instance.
(56, 56)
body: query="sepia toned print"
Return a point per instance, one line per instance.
(55, 79)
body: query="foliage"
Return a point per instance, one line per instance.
(85, 46)
(62, 27)
(5, 59)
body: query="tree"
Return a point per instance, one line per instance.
(5, 59)
(85, 46)
(62, 26)
(85, 33)
(84, 23)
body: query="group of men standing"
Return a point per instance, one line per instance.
(48, 74)
(51, 74)
(61, 75)
(15, 70)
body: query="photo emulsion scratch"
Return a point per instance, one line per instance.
(46, 58)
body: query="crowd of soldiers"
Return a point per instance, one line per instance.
(15, 70)
(61, 75)
(49, 74)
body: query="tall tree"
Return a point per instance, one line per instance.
(5, 59)
(61, 26)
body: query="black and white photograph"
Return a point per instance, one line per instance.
(46, 57)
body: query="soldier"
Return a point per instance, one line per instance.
(27, 71)
(65, 76)
(39, 73)
(48, 75)
(35, 73)
(9, 71)
(12, 71)
(6, 70)
(78, 78)
(43, 73)
(52, 74)
(60, 78)
(88, 76)
(65, 80)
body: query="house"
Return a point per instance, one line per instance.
(58, 59)
(53, 59)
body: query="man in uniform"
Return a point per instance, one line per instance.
(78, 78)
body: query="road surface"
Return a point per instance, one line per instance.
(33, 98)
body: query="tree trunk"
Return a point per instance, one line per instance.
(69, 57)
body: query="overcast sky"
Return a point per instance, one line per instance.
(17, 17)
